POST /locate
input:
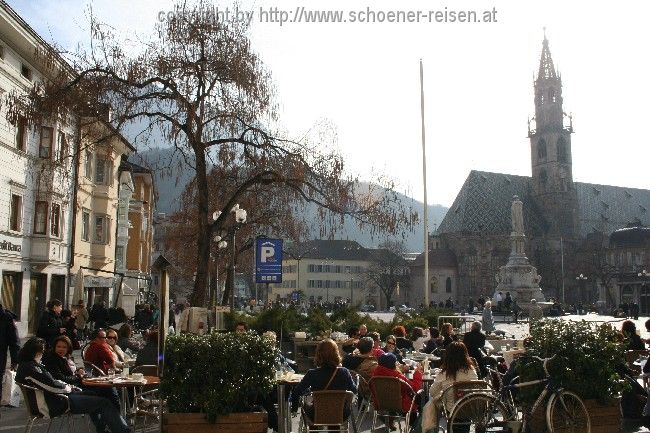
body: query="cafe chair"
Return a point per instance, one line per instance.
(327, 410)
(363, 405)
(631, 356)
(386, 395)
(147, 402)
(455, 391)
(37, 408)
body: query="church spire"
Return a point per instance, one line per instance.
(546, 69)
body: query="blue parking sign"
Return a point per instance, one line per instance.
(268, 261)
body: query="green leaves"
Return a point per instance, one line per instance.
(217, 374)
(587, 356)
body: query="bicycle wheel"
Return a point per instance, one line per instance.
(567, 413)
(478, 413)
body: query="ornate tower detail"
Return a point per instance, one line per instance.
(550, 145)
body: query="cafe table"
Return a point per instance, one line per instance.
(284, 412)
(427, 380)
(121, 383)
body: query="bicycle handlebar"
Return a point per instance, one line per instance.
(544, 362)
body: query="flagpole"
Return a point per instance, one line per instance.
(424, 180)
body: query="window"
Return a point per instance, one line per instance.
(448, 285)
(119, 257)
(311, 268)
(319, 284)
(25, 71)
(311, 284)
(55, 220)
(21, 133)
(16, 215)
(541, 149)
(85, 225)
(89, 165)
(40, 218)
(562, 150)
(101, 229)
(45, 148)
(102, 171)
(319, 268)
(62, 147)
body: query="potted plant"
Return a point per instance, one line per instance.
(587, 355)
(212, 382)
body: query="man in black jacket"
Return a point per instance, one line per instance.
(51, 324)
(474, 340)
(8, 340)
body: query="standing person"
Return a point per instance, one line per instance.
(99, 315)
(516, 309)
(634, 310)
(8, 340)
(536, 313)
(81, 319)
(474, 340)
(488, 320)
(498, 298)
(51, 325)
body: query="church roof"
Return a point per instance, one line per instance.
(441, 258)
(483, 206)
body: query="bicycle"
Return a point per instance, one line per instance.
(496, 411)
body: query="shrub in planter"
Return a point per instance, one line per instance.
(217, 374)
(587, 356)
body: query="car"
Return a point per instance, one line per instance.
(368, 308)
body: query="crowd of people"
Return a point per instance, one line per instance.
(46, 361)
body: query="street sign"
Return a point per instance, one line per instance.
(268, 261)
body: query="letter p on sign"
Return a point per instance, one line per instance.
(266, 253)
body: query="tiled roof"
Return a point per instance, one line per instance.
(483, 206)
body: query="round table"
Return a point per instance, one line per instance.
(123, 384)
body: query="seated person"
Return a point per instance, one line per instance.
(328, 375)
(474, 340)
(121, 359)
(403, 343)
(388, 367)
(456, 367)
(60, 364)
(362, 362)
(376, 346)
(148, 355)
(32, 373)
(628, 328)
(99, 352)
(418, 338)
(126, 340)
(434, 342)
(350, 344)
(391, 347)
(448, 335)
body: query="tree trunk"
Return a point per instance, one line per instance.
(204, 232)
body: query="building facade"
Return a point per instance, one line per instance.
(36, 181)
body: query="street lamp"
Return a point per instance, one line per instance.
(214, 294)
(240, 219)
(581, 284)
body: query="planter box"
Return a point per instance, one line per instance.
(604, 418)
(249, 422)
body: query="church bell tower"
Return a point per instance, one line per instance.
(550, 145)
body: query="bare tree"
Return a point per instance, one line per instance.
(389, 268)
(198, 82)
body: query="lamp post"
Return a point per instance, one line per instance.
(240, 219)
(581, 279)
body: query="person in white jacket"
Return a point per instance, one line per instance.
(457, 366)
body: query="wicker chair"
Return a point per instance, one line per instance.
(328, 410)
(386, 395)
(32, 397)
(456, 391)
(363, 397)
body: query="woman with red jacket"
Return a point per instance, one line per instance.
(388, 367)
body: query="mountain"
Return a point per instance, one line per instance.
(171, 175)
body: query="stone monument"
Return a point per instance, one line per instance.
(518, 276)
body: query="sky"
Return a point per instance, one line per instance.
(363, 78)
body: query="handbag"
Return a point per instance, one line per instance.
(10, 390)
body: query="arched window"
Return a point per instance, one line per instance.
(551, 95)
(543, 179)
(541, 149)
(448, 285)
(561, 150)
